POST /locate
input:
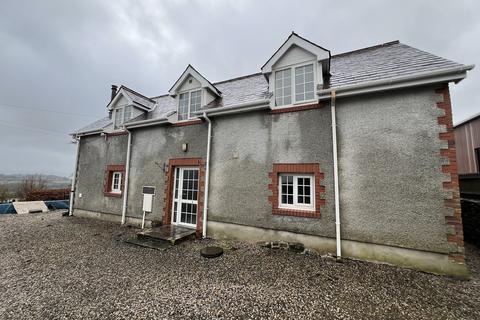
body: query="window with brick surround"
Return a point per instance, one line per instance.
(296, 189)
(116, 182)
(114, 177)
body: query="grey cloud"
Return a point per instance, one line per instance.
(63, 55)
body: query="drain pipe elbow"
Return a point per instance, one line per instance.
(335, 176)
(207, 176)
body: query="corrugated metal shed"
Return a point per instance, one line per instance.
(467, 141)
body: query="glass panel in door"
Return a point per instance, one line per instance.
(185, 199)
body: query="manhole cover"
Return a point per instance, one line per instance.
(211, 252)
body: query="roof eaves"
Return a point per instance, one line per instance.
(135, 92)
(454, 74)
(291, 35)
(86, 133)
(217, 92)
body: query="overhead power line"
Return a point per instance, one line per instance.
(48, 131)
(47, 110)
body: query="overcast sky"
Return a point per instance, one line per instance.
(62, 56)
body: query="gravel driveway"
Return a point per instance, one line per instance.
(54, 267)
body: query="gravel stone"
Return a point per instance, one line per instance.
(82, 269)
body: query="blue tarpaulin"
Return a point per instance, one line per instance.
(7, 208)
(57, 204)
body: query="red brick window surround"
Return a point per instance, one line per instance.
(301, 170)
(114, 180)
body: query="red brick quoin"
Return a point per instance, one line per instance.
(107, 181)
(169, 179)
(454, 219)
(310, 168)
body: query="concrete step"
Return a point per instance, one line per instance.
(148, 243)
(170, 234)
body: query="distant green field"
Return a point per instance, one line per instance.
(52, 181)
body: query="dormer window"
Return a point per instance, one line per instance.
(191, 91)
(303, 85)
(188, 103)
(295, 72)
(122, 115)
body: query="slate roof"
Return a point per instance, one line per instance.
(388, 60)
(97, 125)
(138, 97)
(241, 90)
(384, 61)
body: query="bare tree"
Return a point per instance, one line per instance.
(4, 193)
(30, 183)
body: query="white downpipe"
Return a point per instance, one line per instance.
(207, 176)
(127, 173)
(335, 178)
(74, 178)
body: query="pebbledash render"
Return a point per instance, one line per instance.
(351, 154)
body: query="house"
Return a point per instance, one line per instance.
(351, 154)
(467, 142)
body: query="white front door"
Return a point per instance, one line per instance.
(185, 197)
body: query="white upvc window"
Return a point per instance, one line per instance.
(296, 89)
(116, 182)
(127, 113)
(296, 191)
(283, 87)
(304, 87)
(122, 115)
(188, 103)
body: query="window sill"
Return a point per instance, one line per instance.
(117, 132)
(292, 207)
(188, 122)
(113, 194)
(297, 107)
(296, 213)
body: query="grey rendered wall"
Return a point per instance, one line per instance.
(245, 147)
(390, 169)
(152, 147)
(96, 152)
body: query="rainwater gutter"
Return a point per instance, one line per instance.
(238, 108)
(146, 123)
(455, 74)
